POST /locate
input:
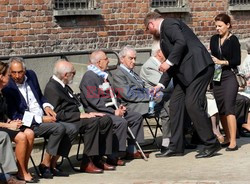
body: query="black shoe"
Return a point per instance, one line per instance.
(244, 132)
(168, 153)
(209, 152)
(163, 149)
(45, 172)
(232, 149)
(59, 173)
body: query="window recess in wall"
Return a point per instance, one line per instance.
(76, 7)
(169, 6)
(239, 5)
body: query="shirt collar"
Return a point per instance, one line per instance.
(58, 80)
(125, 68)
(160, 25)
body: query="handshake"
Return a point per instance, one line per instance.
(156, 93)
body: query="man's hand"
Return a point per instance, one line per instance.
(50, 112)
(87, 115)
(155, 90)
(97, 114)
(48, 119)
(164, 67)
(120, 111)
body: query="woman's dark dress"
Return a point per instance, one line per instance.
(4, 118)
(225, 91)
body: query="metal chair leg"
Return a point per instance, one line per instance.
(78, 148)
(34, 165)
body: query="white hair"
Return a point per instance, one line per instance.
(124, 51)
(60, 69)
(155, 48)
(17, 60)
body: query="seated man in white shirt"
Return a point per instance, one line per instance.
(24, 96)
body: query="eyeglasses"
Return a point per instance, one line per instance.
(73, 73)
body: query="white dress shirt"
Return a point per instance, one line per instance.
(31, 101)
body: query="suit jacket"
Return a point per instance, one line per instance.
(15, 100)
(92, 96)
(65, 106)
(131, 92)
(182, 47)
(150, 73)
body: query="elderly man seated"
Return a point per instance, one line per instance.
(96, 127)
(27, 103)
(97, 96)
(133, 92)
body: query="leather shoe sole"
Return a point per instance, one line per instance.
(168, 153)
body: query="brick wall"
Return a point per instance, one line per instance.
(28, 26)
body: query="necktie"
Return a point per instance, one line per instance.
(137, 78)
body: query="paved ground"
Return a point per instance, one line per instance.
(225, 168)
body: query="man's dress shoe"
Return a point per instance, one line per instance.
(58, 172)
(244, 132)
(209, 152)
(101, 164)
(163, 149)
(90, 168)
(136, 155)
(115, 162)
(45, 171)
(168, 153)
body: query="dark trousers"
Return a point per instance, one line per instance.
(191, 98)
(60, 137)
(132, 120)
(241, 109)
(97, 135)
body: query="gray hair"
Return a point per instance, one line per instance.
(60, 69)
(124, 51)
(248, 47)
(155, 48)
(17, 60)
(95, 56)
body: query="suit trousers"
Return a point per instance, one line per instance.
(7, 159)
(162, 110)
(191, 98)
(134, 121)
(57, 133)
(97, 135)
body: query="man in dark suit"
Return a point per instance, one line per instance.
(97, 127)
(191, 67)
(23, 95)
(95, 95)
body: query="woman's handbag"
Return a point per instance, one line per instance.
(241, 79)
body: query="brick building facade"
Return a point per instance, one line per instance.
(31, 27)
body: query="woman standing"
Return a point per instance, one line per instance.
(23, 139)
(226, 54)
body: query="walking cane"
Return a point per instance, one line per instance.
(114, 102)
